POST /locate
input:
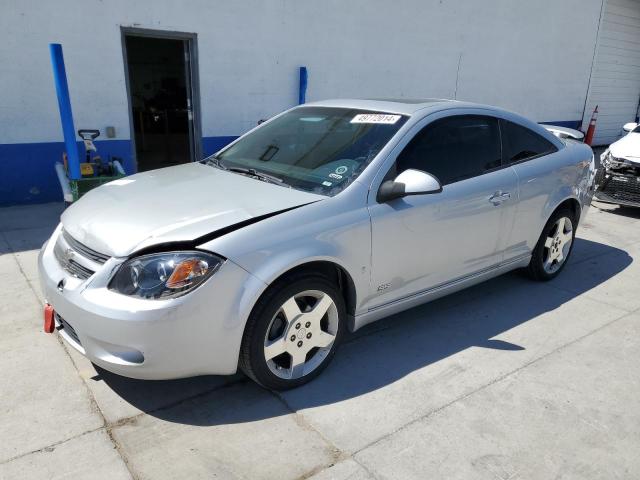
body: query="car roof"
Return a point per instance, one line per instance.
(404, 106)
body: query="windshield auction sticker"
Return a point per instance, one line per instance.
(376, 118)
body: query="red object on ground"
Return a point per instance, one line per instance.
(592, 127)
(49, 323)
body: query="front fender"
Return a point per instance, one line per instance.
(336, 230)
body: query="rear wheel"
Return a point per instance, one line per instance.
(554, 246)
(293, 332)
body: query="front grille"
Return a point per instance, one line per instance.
(84, 250)
(71, 266)
(74, 256)
(618, 188)
(68, 329)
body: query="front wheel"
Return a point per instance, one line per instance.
(293, 332)
(552, 251)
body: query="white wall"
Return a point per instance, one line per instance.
(615, 81)
(533, 57)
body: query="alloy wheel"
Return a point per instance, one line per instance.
(301, 334)
(557, 245)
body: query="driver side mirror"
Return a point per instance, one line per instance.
(629, 126)
(409, 182)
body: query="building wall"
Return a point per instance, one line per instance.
(531, 57)
(615, 79)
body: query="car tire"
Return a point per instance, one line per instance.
(554, 246)
(293, 331)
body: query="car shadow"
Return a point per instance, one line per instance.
(621, 210)
(390, 349)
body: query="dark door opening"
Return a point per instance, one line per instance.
(161, 99)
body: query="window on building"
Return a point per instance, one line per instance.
(520, 143)
(454, 148)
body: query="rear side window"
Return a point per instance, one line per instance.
(454, 148)
(520, 143)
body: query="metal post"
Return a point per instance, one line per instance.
(64, 104)
(302, 93)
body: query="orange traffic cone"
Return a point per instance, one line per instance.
(592, 127)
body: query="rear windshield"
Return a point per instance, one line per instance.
(316, 149)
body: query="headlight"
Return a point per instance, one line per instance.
(164, 275)
(609, 161)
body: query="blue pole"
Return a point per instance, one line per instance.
(302, 93)
(64, 104)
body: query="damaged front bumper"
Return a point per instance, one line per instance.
(197, 334)
(618, 181)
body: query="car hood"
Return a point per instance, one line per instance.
(627, 147)
(172, 204)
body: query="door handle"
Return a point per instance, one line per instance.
(498, 197)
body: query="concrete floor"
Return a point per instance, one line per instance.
(509, 379)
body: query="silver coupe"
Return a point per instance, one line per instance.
(323, 219)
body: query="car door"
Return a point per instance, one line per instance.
(423, 241)
(532, 158)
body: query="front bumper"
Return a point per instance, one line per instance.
(621, 188)
(196, 334)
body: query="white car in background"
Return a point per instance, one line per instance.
(618, 178)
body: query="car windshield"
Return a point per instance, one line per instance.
(316, 149)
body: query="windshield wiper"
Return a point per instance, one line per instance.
(251, 172)
(215, 161)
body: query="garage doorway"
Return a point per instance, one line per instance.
(162, 94)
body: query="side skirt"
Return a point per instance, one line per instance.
(434, 293)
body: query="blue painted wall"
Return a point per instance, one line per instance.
(211, 145)
(27, 172)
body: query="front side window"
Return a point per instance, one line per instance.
(454, 148)
(316, 149)
(520, 143)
